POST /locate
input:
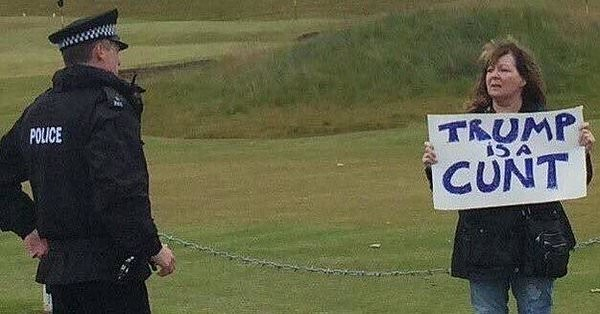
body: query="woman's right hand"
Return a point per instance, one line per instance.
(429, 156)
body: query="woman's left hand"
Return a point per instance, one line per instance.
(586, 138)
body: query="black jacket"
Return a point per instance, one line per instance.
(79, 145)
(491, 243)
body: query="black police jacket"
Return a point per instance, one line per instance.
(492, 243)
(80, 147)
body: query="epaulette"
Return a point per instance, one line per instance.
(113, 98)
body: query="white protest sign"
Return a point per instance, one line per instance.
(487, 160)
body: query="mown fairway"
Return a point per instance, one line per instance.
(274, 191)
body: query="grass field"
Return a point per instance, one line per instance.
(288, 201)
(306, 152)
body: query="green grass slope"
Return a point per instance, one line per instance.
(375, 75)
(360, 73)
(29, 59)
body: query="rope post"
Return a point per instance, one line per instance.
(47, 299)
(587, 7)
(295, 9)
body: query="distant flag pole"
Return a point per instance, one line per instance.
(61, 3)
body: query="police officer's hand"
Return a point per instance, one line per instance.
(165, 259)
(36, 247)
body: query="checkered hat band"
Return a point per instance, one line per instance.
(91, 34)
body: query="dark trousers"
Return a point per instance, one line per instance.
(100, 298)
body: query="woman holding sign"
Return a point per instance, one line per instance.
(520, 247)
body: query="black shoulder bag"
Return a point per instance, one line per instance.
(547, 244)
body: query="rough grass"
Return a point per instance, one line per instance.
(30, 60)
(27, 52)
(358, 74)
(379, 74)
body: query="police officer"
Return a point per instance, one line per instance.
(80, 147)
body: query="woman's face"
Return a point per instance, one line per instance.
(503, 80)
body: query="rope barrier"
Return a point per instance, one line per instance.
(295, 268)
(327, 271)
(587, 243)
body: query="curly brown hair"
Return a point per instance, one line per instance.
(533, 93)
